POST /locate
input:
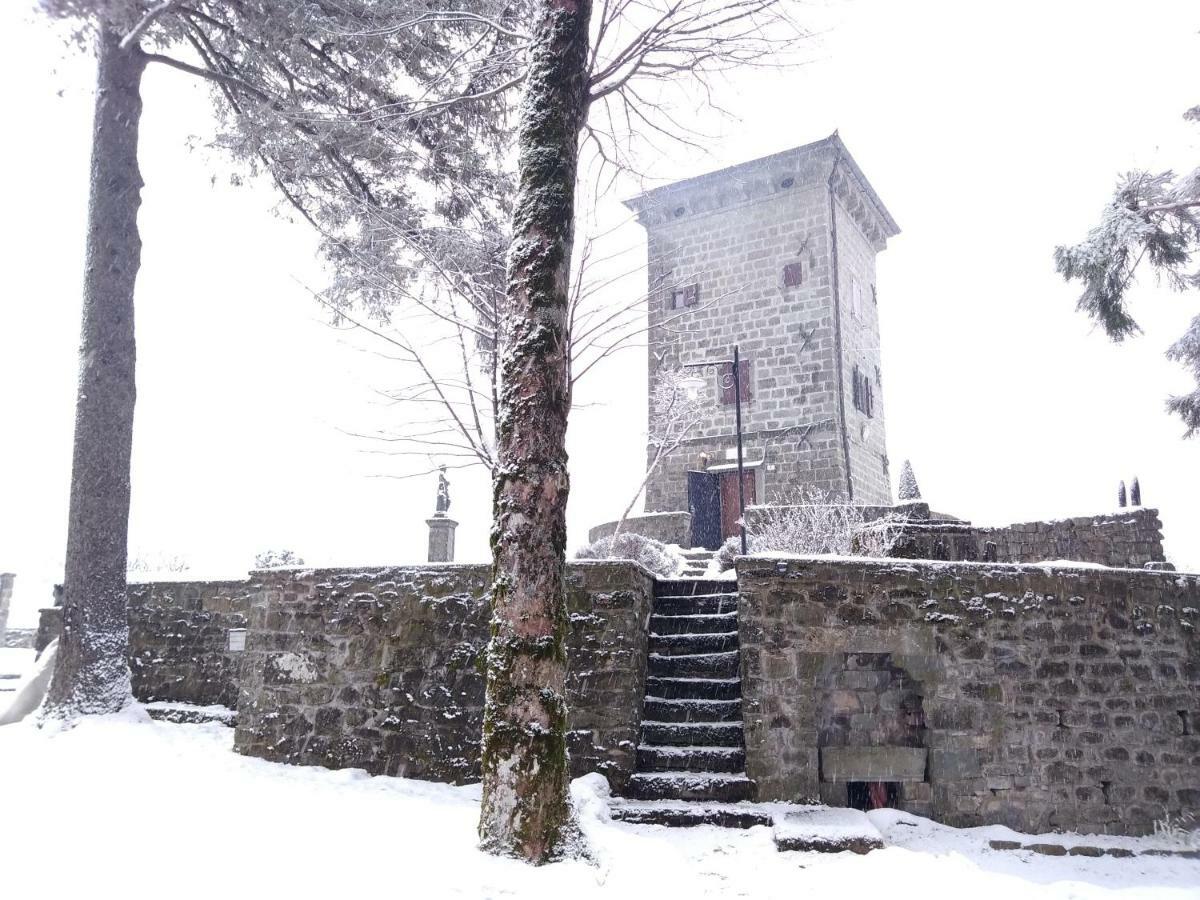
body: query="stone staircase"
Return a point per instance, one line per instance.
(691, 760)
(696, 562)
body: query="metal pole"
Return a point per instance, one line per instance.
(737, 403)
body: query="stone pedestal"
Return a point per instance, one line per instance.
(6, 589)
(441, 538)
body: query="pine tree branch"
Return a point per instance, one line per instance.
(145, 22)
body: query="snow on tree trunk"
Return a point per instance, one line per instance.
(91, 672)
(908, 488)
(525, 811)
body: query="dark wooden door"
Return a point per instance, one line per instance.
(730, 508)
(704, 503)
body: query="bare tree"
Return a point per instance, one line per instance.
(675, 412)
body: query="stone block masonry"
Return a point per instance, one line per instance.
(179, 647)
(776, 255)
(1042, 698)
(382, 669)
(1126, 539)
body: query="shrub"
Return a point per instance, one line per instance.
(660, 559)
(809, 522)
(277, 559)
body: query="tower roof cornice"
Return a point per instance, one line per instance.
(826, 161)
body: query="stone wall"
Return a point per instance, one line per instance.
(178, 639)
(1034, 697)
(382, 669)
(668, 527)
(19, 638)
(1128, 539)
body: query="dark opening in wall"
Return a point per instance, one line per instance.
(868, 795)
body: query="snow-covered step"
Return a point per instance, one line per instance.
(683, 587)
(653, 758)
(694, 688)
(664, 709)
(689, 815)
(693, 734)
(711, 642)
(685, 604)
(189, 714)
(702, 786)
(827, 830)
(699, 665)
(694, 623)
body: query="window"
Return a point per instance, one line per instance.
(864, 394)
(874, 296)
(855, 298)
(725, 382)
(793, 274)
(688, 295)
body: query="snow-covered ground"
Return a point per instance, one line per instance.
(148, 808)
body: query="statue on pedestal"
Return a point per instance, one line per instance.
(443, 493)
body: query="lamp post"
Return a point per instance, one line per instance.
(736, 375)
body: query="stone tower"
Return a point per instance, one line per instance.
(778, 256)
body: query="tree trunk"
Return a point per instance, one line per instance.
(525, 811)
(91, 673)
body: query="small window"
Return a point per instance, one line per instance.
(725, 382)
(793, 274)
(855, 298)
(688, 295)
(864, 394)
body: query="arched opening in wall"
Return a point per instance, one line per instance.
(871, 734)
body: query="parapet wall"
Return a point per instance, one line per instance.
(1042, 698)
(382, 669)
(1127, 539)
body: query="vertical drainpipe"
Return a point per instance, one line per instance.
(837, 325)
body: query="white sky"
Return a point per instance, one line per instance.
(991, 133)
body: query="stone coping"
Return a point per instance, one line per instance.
(756, 564)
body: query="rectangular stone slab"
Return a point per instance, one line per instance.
(873, 764)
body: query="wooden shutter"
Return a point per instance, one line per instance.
(691, 295)
(725, 382)
(793, 274)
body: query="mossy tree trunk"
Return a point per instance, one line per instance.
(91, 673)
(525, 811)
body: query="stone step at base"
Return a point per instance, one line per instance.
(698, 623)
(693, 688)
(661, 709)
(654, 758)
(824, 829)
(693, 734)
(700, 665)
(689, 815)
(690, 644)
(700, 786)
(184, 714)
